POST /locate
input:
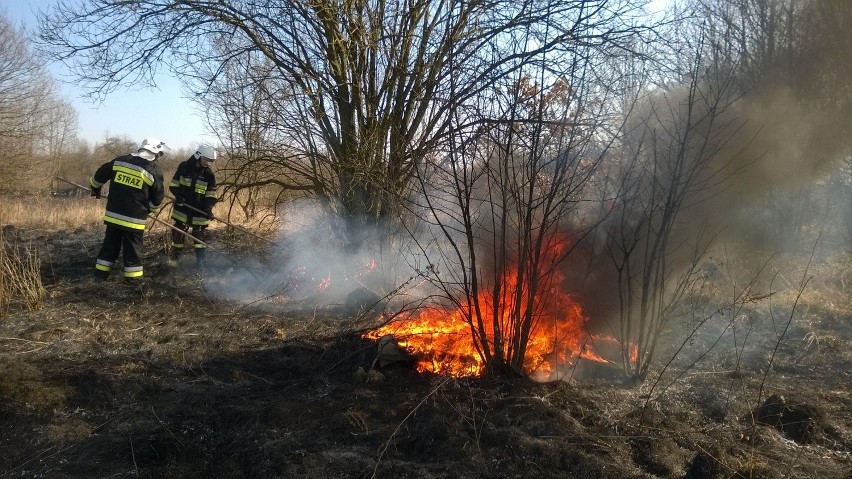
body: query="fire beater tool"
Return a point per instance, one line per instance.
(227, 223)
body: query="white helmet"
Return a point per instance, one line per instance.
(206, 151)
(151, 148)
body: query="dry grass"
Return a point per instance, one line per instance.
(52, 214)
(58, 214)
(820, 293)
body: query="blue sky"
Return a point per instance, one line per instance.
(175, 119)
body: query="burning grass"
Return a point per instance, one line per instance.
(542, 324)
(443, 343)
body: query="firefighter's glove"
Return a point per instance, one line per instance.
(96, 192)
(208, 214)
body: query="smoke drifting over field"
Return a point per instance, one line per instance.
(781, 146)
(309, 268)
(759, 188)
(758, 153)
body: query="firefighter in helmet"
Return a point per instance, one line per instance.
(194, 188)
(136, 190)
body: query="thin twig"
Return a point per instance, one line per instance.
(25, 340)
(133, 455)
(386, 445)
(166, 427)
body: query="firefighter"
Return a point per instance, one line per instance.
(136, 190)
(194, 188)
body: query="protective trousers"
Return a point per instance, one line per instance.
(115, 240)
(179, 240)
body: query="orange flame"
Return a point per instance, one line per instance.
(443, 340)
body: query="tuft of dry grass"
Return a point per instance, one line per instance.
(829, 291)
(20, 265)
(20, 275)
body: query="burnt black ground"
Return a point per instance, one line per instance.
(109, 380)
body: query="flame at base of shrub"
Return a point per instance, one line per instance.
(443, 342)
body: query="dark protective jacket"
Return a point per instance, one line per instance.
(136, 190)
(194, 186)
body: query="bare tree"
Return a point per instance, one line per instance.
(60, 136)
(113, 146)
(365, 85)
(27, 101)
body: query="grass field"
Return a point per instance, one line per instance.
(177, 380)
